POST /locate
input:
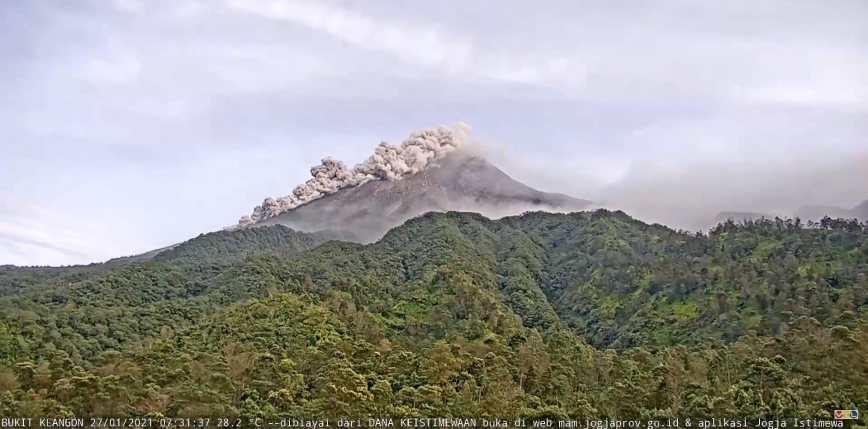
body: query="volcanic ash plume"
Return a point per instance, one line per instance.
(388, 162)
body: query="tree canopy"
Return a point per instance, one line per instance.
(561, 316)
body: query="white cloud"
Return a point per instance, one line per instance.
(34, 235)
(419, 43)
(129, 5)
(851, 95)
(185, 10)
(830, 78)
(123, 70)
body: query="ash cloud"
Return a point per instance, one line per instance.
(388, 162)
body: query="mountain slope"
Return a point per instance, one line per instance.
(287, 356)
(140, 257)
(225, 245)
(457, 182)
(228, 245)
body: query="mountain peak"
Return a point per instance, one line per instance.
(460, 181)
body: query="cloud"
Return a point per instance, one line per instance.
(417, 43)
(427, 46)
(691, 197)
(129, 5)
(119, 71)
(829, 79)
(33, 235)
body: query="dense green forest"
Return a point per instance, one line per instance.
(561, 316)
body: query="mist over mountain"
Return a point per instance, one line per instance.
(696, 194)
(805, 213)
(814, 213)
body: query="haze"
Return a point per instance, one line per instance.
(130, 125)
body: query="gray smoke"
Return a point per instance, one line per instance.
(388, 162)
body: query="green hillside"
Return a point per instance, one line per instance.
(586, 315)
(229, 245)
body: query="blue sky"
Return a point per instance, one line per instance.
(128, 125)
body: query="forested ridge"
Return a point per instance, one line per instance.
(585, 315)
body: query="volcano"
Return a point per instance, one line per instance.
(458, 182)
(428, 172)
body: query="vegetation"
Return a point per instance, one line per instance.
(228, 245)
(586, 315)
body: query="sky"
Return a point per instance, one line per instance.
(130, 125)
